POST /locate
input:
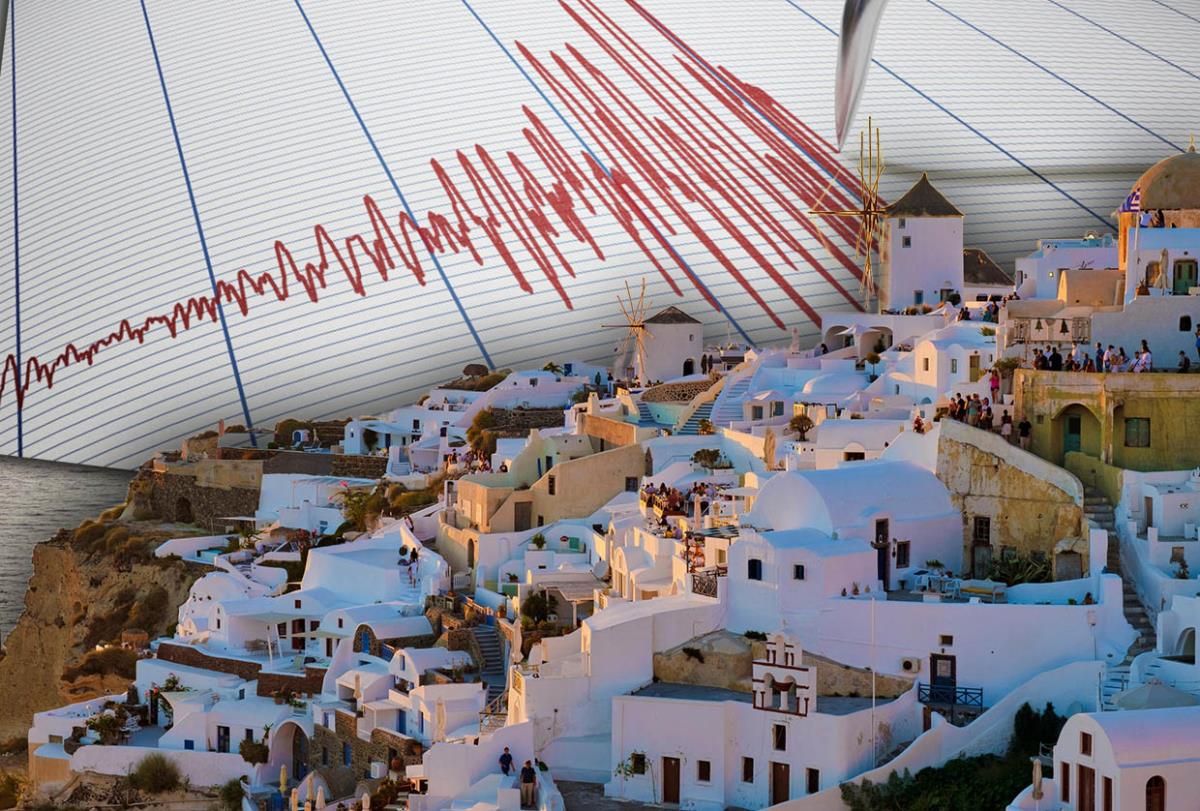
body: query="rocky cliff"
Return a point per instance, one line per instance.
(88, 586)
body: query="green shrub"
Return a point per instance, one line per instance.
(10, 790)
(116, 661)
(155, 774)
(230, 795)
(253, 752)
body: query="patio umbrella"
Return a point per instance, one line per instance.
(320, 798)
(1154, 696)
(1037, 778)
(296, 799)
(282, 779)
(308, 790)
(856, 331)
(366, 802)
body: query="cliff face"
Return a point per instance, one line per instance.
(87, 587)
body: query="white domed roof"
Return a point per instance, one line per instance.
(849, 496)
(835, 384)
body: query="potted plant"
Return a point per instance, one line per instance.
(873, 359)
(254, 752)
(538, 541)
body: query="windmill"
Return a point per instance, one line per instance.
(871, 212)
(635, 326)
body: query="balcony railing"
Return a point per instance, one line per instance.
(949, 695)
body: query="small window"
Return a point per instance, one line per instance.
(637, 763)
(218, 623)
(906, 242)
(721, 557)
(981, 530)
(1137, 432)
(903, 222)
(902, 554)
(339, 622)
(550, 485)
(631, 484)
(779, 737)
(703, 771)
(541, 521)
(249, 734)
(296, 603)
(1085, 744)
(416, 425)
(946, 640)
(953, 366)
(747, 770)
(346, 754)
(924, 364)
(189, 745)
(1185, 323)
(812, 780)
(754, 569)
(798, 571)
(918, 297)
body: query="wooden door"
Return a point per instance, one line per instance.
(670, 778)
(1085, 783)
(1185, 276)
(781, 783)
(522, 516)
(943, 678)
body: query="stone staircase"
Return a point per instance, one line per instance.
(493, 660)
(1099, 512)
(692, 426)
(728, 406)
(645, 417)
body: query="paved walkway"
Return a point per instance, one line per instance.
(590, 797)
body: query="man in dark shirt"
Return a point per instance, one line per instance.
(1023, 429)
(506, 761)
(528, 786)
(1055, 361)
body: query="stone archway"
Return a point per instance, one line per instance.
(289, 746)
(183, 511)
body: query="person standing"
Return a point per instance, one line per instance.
(994, 384)
(528, 785)
(1024, 427)
(506, 762)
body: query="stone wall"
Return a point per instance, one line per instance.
(177, 496)
(728, 659)
(192, 657)
(308, 684)
(358, 467)
(375, 644)
(326, 752)
(268, 683)
(519, 421)
(1031, 509)
(609, 431)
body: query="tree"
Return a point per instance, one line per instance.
(553, 368)
(480, 434)
(801, 424)
(706, 428)
(873, 359)
(707, 457)
(536, 607)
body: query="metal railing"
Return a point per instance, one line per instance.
(950, 695)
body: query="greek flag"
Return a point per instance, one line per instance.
(1133, 202)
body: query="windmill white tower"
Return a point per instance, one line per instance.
(634, 342)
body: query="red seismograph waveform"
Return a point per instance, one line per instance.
(647, 170)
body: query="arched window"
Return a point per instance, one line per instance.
(1185, 323)
(1156, 794)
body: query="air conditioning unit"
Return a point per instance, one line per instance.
(378, 769)
(910, 664)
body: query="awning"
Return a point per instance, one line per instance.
(739, 491)
(321, 633)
